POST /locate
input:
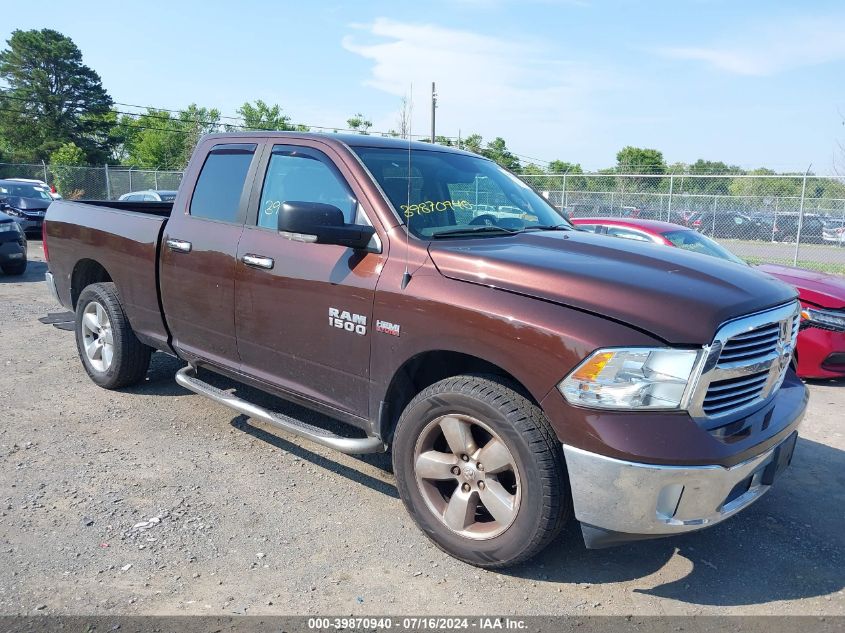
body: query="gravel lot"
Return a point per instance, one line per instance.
(157, 501)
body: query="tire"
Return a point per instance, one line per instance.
(128, 359)
(538, 500)
(15, 268)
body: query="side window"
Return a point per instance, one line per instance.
(217, 195)
(592, 228)
(302, 175)
(627, 234)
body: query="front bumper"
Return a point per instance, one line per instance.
(12, 251)
(30, 223)
(618, 501)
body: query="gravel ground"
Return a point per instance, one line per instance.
(154, 500)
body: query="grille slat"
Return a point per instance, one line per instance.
(727, 385)
(732, 393)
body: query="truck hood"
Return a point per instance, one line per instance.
(678, 296)
(826, 291)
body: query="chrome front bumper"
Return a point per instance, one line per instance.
(618, 501)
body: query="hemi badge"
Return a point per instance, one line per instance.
(386, 327)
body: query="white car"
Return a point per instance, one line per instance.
(40, 183)
(149, 195)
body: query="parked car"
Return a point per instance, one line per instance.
(520, 370)
(40, 183)
(820, 352)
(150, 195)
(13, 246)
(786, 228)
(25, 202)
(734, 225)
(834, 231)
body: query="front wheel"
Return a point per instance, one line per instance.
(15, 268)
(480, 471)
(110, 352)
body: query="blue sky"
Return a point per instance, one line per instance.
(751, 83)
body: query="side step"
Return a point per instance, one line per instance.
(187, 377)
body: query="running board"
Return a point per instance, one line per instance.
(187, 377)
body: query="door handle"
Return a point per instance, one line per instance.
(258, 261)
(180, 246)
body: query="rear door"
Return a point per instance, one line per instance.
(198, 254)
(304, 310)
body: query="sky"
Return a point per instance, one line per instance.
(753, 83)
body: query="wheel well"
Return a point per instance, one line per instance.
(85, 273)
(427, 368)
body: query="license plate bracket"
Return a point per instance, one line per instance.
(780, 460)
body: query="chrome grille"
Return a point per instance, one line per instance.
(746, 363)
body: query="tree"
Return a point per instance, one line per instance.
(498, 151)
(562, 167)
(64, 163)
(159, 139)
(153, 140)
(52, 97)
(359, 123)
(260, 116)
(196, 123)
(472, 143)
(638, 160)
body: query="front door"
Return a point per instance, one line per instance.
(304, 310)
(198, 257)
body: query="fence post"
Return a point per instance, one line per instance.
(155, 177)
(108, 183)
(563, 194)
(713, 234)
(44, 167)
(130, 179)
(671, 187)
(800, 217)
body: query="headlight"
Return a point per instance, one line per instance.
(14, 212)
(631, 378)
(824, 319)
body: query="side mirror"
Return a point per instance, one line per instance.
(321, 223)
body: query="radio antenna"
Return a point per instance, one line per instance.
(406, 276)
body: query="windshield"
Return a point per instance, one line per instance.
(25, 191)
(698, 243)
(456, 195)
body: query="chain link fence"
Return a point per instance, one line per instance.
(793, 220)
(108, 182)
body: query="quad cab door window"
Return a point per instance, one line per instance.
(293, 288)
(198, 257)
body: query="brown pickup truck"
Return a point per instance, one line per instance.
(519, 370)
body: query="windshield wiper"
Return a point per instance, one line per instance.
(486, 228)
(550, 227)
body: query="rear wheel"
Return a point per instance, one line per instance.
(110, 352)
(480, 471)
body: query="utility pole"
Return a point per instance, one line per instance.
(433, 107)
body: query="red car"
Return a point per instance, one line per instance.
(821, 343)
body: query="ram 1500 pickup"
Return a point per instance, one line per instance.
(519, 370)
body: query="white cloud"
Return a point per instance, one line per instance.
(774, 47)
(485, 83)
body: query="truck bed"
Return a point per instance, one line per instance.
(91, 241)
